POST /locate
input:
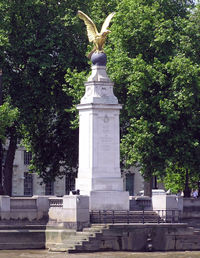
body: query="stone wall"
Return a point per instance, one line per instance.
(147, 237)
(191, 211)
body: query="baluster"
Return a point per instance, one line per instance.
(100, 220)
(143, 215)
(113, 217)
(128, 216)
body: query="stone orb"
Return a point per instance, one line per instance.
(99, 59)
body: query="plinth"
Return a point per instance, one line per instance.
(99, 174)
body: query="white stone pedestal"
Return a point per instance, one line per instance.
(167, 202)
(99, 174)
(73, 215)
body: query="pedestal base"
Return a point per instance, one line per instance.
(86, 185)
(109, 200)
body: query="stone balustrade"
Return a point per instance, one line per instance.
(24, 208)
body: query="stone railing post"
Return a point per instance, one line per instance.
(5, 207)
(76, 210)
(42, 203)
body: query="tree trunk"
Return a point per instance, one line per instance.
(187, 190)
(8, 168)
(148, 187)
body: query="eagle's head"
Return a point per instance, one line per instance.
(105, 33)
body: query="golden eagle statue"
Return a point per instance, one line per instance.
(93, 35)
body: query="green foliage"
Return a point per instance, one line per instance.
(42, 40)
(175, 179)
(8, 115)
(75, 89)
(161, 81)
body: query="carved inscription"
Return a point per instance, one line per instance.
(106, 140)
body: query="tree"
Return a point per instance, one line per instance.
(39, 41)
(189, 45)
(162, 85)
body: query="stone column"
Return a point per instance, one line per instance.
(99, 174)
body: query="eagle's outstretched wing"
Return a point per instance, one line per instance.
(91, 27)
(107, 22)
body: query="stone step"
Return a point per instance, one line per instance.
(69, 243)
(85, 234)
(75, 239)
(63, 248)
(91, 246)
(99, 225)
(92, 230)
(78, 242)
(70, 246)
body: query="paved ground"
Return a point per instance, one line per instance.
(46, 254)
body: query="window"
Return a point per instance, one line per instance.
(130, 183)
(69, 182)
(27, 157)
(49, 188)
(28, 184)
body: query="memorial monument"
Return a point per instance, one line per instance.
(99, 174)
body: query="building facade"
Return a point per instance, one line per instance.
(29, 184)
(25, 183)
